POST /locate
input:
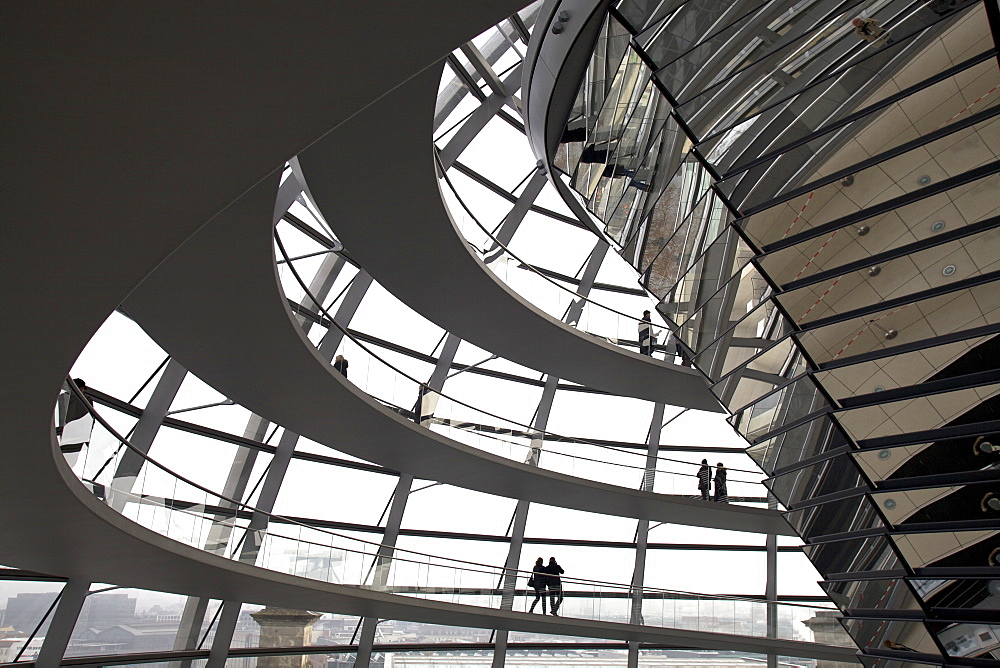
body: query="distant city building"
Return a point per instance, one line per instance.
(105, 610)
(136, 637)
(560, 658)
(26, 609)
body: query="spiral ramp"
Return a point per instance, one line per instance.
(153, 164)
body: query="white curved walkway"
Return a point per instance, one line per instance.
(109, 548)
(109, 168)
(216, 306)
(400, 231)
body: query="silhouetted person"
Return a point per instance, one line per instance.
(721, 494)
(704, 479)
(340, 364)
(538, 580)
(646, 338)
(555, 584)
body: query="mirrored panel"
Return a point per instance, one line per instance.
(976, 640)
(908, 368)
(891, 594)
(950, 549)
(761, 374)
(835, 517)
(915, 414)
(895, 635)
(897, 278)
(876, 662)
(780, 408)
(799, 443)
(975, 503)
(980, 593)
(953, 455)
(778, 126)
(910, 323)
(827, 477)
(857, 555)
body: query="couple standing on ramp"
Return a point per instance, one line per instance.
(543, 576)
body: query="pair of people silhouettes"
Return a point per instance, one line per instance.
(546, 576)
(705, 482)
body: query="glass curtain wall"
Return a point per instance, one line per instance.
(815, 206)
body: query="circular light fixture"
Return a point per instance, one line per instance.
(889, 504)
(879, 388)
(938, 226)
(863, 230)
(924, 180)
(891, 333)
(949, 270)
(847, 181)
(884, 454)
(874, 271)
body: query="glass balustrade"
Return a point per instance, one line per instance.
(182, 510)
(547, 294)
(371, 371)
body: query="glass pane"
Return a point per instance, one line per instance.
(802, 442)
(938, 504)
(27, 605)
(891, 594)
(954, 455)
(949, 549)
(826, 477)
(835, 517)
(909, 323)
(910, 368)
(891, 634)
(857, 555)
(792, 402)
(917, 414)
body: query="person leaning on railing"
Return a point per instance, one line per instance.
(647, 335)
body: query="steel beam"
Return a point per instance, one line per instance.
(642, 530)
(71, 600)
(145, 432)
